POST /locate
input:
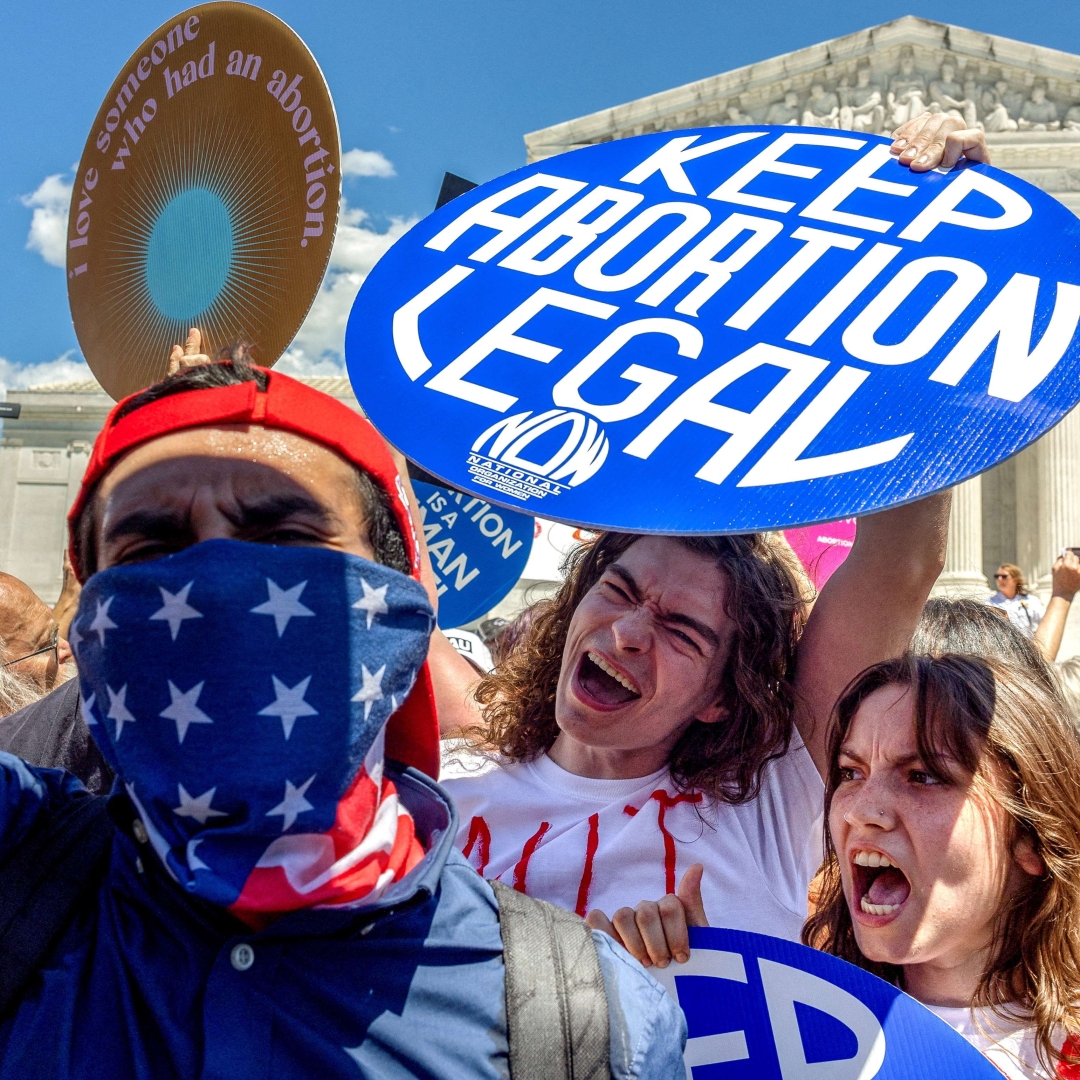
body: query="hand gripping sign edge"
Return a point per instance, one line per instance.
(733, 329)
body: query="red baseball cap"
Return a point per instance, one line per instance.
(412, 733)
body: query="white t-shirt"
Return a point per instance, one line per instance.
(583, 843)
(1009, 1046)
(1024, 612)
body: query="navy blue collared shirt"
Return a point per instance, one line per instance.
(148, 983)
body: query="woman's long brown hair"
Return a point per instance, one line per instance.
(1009, 731)
(766, 602)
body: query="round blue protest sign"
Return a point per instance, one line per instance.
(722, 330)
(761, 1008)
(477, 551)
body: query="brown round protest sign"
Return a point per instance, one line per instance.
(207, 195)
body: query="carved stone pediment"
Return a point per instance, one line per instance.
(1026, 97)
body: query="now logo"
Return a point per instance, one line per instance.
(583, 450)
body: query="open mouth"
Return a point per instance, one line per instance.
(881, 887)
(603, 684)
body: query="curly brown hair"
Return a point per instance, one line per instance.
(765, 600)
(984, 713)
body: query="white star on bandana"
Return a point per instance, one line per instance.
(373, 601)
(199, 808)
(184, 708)
(102, 622)
(175, 608)
(118, 709)
(293, 804)
(371, 691)
(283, 604)
(289, 703)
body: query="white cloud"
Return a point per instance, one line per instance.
(318, 348)
(48, 226)
(366, 163)
(64, 369)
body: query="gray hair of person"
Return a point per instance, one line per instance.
(972, 628)
(16, 691)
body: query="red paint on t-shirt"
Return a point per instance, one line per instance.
(531, 845)
(665, 802)
(480, 836)
(586, 875)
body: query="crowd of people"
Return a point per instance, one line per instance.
(226, 823)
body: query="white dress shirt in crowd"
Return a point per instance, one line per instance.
(1025, 612)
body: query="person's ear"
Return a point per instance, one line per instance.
(713, 714)
(1027, 858)
(63, 652)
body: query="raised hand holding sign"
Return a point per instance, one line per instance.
(733, 329)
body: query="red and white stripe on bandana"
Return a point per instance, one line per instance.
(371, 844)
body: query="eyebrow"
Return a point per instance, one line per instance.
(268, 509)
(677, 617)
(900, 763)
(253, 514)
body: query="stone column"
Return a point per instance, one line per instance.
(1028, 515)
(963, 575)
(1058, 473)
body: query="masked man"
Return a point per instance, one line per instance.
(281, 898)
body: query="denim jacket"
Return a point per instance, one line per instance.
(149, 983)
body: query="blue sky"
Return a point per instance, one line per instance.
(422, 86)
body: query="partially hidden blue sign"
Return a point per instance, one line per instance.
(721, 330)
(761, 1008)
(477, 550)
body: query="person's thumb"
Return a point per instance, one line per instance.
(689, 893)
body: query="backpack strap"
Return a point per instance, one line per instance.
(43, 881)
(556, 1005)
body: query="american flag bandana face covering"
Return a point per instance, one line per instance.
(240, 692)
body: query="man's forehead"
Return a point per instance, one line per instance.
(23, 615)
(676, 577)
(227, 449)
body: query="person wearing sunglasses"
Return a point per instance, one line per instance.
(1024, 609)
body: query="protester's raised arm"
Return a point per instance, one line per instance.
(869, 608)
(1066, 578)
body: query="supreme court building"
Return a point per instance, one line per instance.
(1026, 97)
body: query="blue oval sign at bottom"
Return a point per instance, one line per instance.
(761, 1008)
(477, 550)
